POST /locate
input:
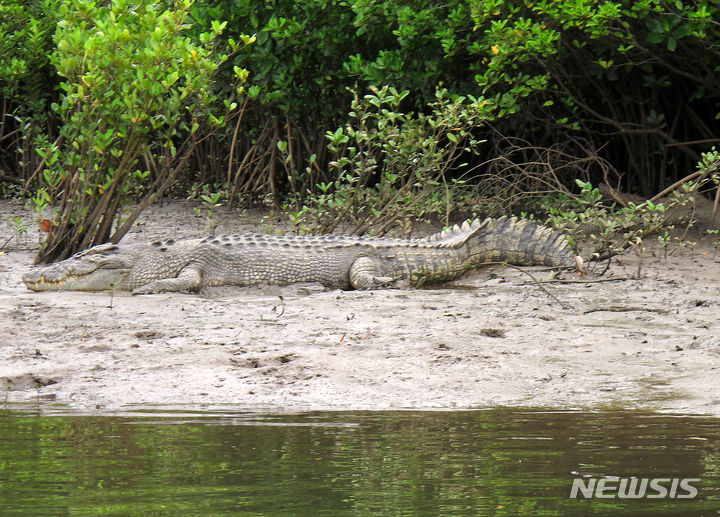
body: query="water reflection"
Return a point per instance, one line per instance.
(223, 461)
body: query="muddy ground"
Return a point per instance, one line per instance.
(491, 338)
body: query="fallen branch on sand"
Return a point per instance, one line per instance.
(618, 308)
(539, 284)
(597, 281)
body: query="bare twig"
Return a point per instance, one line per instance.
(596, 281)
(539, 284)
(676, 185)
(618, 308)
(694, 142)
(715, 208)
(234, 141)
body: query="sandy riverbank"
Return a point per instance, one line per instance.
(492, 338)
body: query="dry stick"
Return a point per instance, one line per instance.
(655, 198)
(248, 167)
(11, 179)
(308, 147)
(534, 279)
(248, 160)
(715, 207)
(159, 188)
(607, 266)
(694, 142)
(676, 185)
(617, 308)
(254, 178)
(150, 199)
(45, 252)
(289, 160)
(272, 166)
(236, 179)
(340, 217)
(10, 134)
(234, 140)
(63, 225)
(108, 218)
(288, 128)
(597, 281)
(150, 162)
(258, 178)
(93, 220)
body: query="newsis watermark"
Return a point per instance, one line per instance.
(613, 487)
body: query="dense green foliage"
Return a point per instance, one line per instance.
(619, 91)
(134, 86)
(635, 76)
(612, 228)
(26, 85)
(630, 77)
(393, 166)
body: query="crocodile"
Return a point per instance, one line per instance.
(343, 262)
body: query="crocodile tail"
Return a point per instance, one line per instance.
(520, 242)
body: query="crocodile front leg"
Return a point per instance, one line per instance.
(366, 273)
(189, 279)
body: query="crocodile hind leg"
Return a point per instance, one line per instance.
(365, 273)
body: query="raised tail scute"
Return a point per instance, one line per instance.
(520, 242)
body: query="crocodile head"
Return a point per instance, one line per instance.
(96, 269)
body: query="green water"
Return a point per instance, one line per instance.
(229, 462)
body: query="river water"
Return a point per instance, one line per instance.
(225, 461)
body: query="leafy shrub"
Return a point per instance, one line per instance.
(392, 167)
(613, 229)
(634, 80)
(26, 81)
(626, 76)
(134, 87)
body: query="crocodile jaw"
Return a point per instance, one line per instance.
(98, 280)
(97, 269)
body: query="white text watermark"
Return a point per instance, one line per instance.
(612, 487)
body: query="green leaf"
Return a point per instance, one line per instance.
(656, 37)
